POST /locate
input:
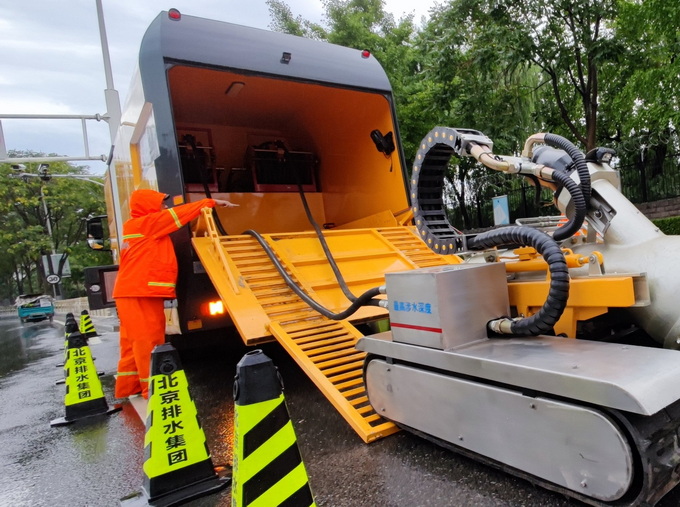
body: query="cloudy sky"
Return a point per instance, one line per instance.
(52, 60)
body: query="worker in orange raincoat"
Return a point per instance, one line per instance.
(146, 277)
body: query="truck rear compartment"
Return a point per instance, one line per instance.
(244, 126)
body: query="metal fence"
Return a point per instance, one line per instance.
(649, 182)
(640, 183)
(522, 203)
(63, 306)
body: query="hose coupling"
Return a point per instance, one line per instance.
(500, 326)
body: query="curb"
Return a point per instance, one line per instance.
(108, 324)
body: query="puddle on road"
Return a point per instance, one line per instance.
(23, 345)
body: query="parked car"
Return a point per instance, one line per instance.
(35, 307)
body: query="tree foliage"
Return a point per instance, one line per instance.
(599, 72)
(568, 42)
(646, 103)
(283, 20)
(26, 205)
(650, 88)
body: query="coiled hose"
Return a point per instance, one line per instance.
(577, 197)
(206, 187)
(544, 319)
(579, 161)
(365, 299)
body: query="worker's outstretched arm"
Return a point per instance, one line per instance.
(171, 219)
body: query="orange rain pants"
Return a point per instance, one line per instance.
(142, 327)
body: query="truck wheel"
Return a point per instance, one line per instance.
(51, 318)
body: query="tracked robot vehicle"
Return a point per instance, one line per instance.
(596, 419)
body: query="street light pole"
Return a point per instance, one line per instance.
(56, 287)
(48, 219)
(44, 175)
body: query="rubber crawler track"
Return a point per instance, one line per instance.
(654, 440)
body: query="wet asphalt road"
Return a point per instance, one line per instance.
(96, 463)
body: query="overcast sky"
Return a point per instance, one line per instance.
(52, 63)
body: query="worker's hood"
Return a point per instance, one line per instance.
(143, 202)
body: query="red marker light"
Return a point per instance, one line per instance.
(174, 14)
(365, 53)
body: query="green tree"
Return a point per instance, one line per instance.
(650, 88)
(24, 238)
(569, 41)
(646, 108)
(599, 72)
(283, 20)
(464, 85)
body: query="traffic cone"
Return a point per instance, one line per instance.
(268, 469)
(70, 327)
(84, 395)
(177, 464)
(86, 326)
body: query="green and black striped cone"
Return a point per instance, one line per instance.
(268, 469)
(70, 327)
(84, 394)
(177, 464)
(87, 328)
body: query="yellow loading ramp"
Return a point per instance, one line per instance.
(263, 307)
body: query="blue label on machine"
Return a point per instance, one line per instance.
(407, 306)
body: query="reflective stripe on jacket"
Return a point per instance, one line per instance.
(148, 267)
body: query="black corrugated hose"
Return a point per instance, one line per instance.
(324, 245)
(579, 161)
(365, 299)
(579, 215)
(206, 187)
(544, 320)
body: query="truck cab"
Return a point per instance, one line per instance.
(34, 307)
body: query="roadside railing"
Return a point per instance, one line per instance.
(64, 306)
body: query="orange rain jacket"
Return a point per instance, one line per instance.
(148, 266)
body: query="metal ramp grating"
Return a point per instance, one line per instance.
(262, 306)
(258, 273)
(324, 349)
(413, 248)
